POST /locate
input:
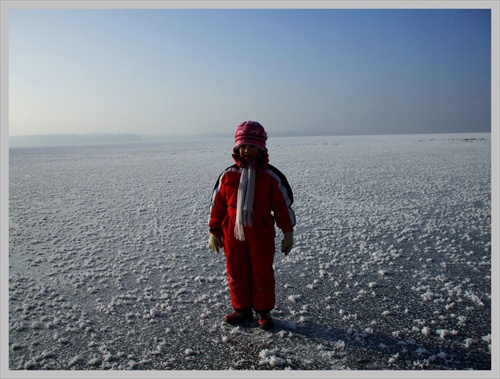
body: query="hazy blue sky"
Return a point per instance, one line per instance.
(172, 71)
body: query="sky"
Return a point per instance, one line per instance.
(201, 71)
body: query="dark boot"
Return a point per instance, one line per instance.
(265, 321)
(237, 317)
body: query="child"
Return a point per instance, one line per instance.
(248, 198)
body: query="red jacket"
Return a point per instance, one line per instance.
(272, 194)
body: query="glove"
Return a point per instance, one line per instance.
(287, 243)
(214, 243)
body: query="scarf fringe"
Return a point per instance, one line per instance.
(238, 232)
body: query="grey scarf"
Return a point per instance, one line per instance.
(244, 210)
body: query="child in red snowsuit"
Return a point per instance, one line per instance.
(249, 198)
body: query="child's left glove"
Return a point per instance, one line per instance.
(287, 243)
(214, 243)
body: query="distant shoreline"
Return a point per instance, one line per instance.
(54, 140)
(42, 140)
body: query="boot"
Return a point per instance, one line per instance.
(265, 321)
(237, 317)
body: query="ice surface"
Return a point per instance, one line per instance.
(391, 269)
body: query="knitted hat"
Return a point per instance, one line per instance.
(250, 133)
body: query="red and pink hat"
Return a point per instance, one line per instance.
(250, 133)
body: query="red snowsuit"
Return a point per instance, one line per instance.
(249, 263)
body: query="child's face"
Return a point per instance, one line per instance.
(249, 153)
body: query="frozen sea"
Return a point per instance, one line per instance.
(109, 267)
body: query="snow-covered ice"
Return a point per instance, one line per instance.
(391, 269)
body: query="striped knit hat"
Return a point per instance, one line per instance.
(250, 133)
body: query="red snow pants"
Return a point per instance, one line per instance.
(249, 264)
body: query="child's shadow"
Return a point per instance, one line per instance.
(379, 350)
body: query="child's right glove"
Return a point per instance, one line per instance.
(214, 243)
(287, 243)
